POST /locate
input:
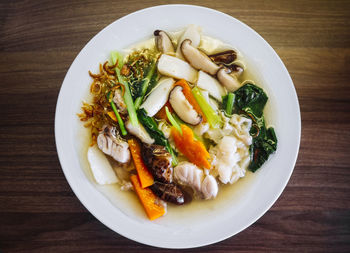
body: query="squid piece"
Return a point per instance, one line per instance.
(210, 84)
(100, 167)
(193, 33)
(163, 42)
(197, 58)
(183, 108)
(174, 67)
(113, 145)
(189, 174)
(158, 97)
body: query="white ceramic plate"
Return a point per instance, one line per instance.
(206, 223)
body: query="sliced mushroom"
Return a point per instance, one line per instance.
(229, 81)
(169, 192)
(158, 161)
(163, 42)
(140, 132)
(111, 144)
(197, 58)
(226, 57)
(182, 107)
(174, 67)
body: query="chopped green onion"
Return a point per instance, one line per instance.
(230, 102)
(172, 120)
(213, 118)
(120, 121)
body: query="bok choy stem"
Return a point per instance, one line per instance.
(119, 119)
(212, 117)
(230, 102)
(127, 95)
(172, 120)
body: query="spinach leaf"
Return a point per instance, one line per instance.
(250, 100)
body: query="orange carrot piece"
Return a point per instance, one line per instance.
(162, 114)
(186, 90)
(111, 114)
(147, 199)
(194, 150)
(146, 178)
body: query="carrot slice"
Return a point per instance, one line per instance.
(162, 114)
(194, 150)
(146, 178)
(148, 200)
(186, 90)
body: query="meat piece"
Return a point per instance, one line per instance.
(189, 174)
(111, 144)
(119, 101)
(158, 161)
(169, 192)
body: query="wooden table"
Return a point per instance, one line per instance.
(40, 39)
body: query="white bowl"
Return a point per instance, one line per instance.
(201, 224)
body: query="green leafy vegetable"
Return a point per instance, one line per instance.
(120, 121)
(145, 84)
(213, 118)
(250, 100)
(127, 95)
(158, 136)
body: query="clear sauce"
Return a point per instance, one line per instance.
(228, 195)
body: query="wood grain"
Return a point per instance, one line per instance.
(40, 39)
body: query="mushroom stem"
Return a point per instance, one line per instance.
(197, 58)
(163, 42)
(229, 81)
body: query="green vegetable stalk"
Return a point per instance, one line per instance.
(120, 121)
(213, 118)
(172, 120)
(229, 100)
(158, 136)
(127, 95)
(145, 84)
